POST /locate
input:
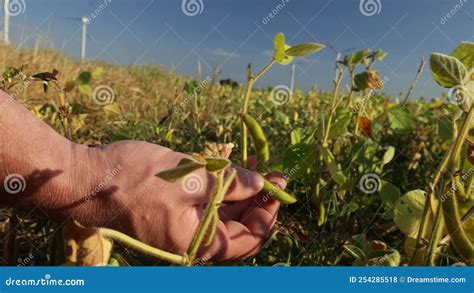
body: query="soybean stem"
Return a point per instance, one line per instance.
(142, 247)
(212, 207)
(248, 90)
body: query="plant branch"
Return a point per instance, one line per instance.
(210, 212)
(248, 90)
(142, 247)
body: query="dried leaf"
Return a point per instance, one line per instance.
(365, 126)
(222, 150)
(378, 245)
(373, 80)
(85, 246)
(470, 153)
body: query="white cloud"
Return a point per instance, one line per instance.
(268, 53)
(223, 53)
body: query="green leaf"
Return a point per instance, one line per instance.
(70, 85)
(216, 164)
(389, 155)
(295, 136)
(465, 54)
(380, 55)
(181, 171)
(388, 258)
(448, 71)
(361, 81)
(191, 87)
(390, 195)
(400, 119)
(112, 109)
(355, 251)
(287, 59)
(358, 57)
(85, 89)
(97, 72)
(279, 46)
(304, 49)
(334, 169)
(77, 109)
(297, 158)
(84, 78)
(408, 212)
(341, 121)
(360, 240)
(445, 129)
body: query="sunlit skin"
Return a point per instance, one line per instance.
(114, 186)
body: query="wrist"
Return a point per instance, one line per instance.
(56, 184)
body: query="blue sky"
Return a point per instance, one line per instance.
(232, 33)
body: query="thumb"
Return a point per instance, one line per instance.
(246, 184)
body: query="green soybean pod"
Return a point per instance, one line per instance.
(277, 193)
(259, 140)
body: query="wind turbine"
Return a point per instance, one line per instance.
(85, 23)
(292, 81)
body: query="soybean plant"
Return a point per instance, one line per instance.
(216, 166)
(446, 190)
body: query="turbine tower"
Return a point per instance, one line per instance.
(6, 21)
(85, 22)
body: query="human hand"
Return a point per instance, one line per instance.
(126, 196)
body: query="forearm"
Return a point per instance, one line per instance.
(37, 163)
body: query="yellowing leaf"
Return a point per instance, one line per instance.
(85, 246)
(279, 46)
(112, 109)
